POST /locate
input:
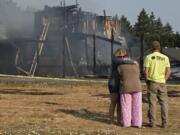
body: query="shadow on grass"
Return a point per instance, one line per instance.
(34, 92)
(51, 103)
(87, 115)
(147, 125)
(101, 95)
(173, 93)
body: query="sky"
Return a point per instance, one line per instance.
(167, 10)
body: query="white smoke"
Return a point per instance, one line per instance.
(15, 21)
(88, 5)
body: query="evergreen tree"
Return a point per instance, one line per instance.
(153, 29)
(143, 23)
(167, 28)
(158, 25)
(177, 40)
(167, 36)
(152, 22)
(125, 25)
(143, 27)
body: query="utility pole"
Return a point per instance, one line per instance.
(76, 2)
(105, 19)
(63, 44)
(112, 43)
(142, 55)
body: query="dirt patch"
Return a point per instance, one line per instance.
(71, 109)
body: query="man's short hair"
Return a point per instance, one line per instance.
(156, 45)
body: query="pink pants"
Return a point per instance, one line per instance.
(131, 109)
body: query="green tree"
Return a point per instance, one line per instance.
(152, 22)
(125, 25)
(153, 29)
(167, 28)
(143, 27)
(158, 25)
(177, 39)
(167, 36)
(150, 34)
(143, 23)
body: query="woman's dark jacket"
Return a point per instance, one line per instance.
(114, 83)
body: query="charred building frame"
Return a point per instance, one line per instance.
(68, 42)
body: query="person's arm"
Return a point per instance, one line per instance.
(168, 73)
(168, 69)
(146, 72)
(146, 68)
(120, 61)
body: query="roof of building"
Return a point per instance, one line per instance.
(173, 53)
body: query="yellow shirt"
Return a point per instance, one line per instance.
(157, 63)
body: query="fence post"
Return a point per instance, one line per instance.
(112, 43)
(94, 54)
(142, 55)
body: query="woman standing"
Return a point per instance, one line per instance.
(130, 95)
(113, 83)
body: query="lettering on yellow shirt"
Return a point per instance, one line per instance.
(157, 63)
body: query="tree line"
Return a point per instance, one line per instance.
(151, 28)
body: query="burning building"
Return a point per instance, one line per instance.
(65, 41)
(71, 42)
(68, 42)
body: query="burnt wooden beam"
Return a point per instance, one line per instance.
(70, 57)
(85, 35)
(64, 42)
(94, 54)
(63, 57)
(105, 19)
(112, 43)
(86, 50)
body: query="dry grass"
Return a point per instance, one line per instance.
(71, 109)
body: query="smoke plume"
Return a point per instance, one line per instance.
(15, 22)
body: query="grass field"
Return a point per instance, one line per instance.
(77, 108)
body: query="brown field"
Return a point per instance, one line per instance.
(71, 108)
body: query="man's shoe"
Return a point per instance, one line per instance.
(152, 125)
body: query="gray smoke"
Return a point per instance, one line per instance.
(15, 22)
(17, 16)
(41, 3)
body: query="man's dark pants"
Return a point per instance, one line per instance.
(157, 91)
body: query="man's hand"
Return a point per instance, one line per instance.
(168, 73)
(146, 71)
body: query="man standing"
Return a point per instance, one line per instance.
(157, 71)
